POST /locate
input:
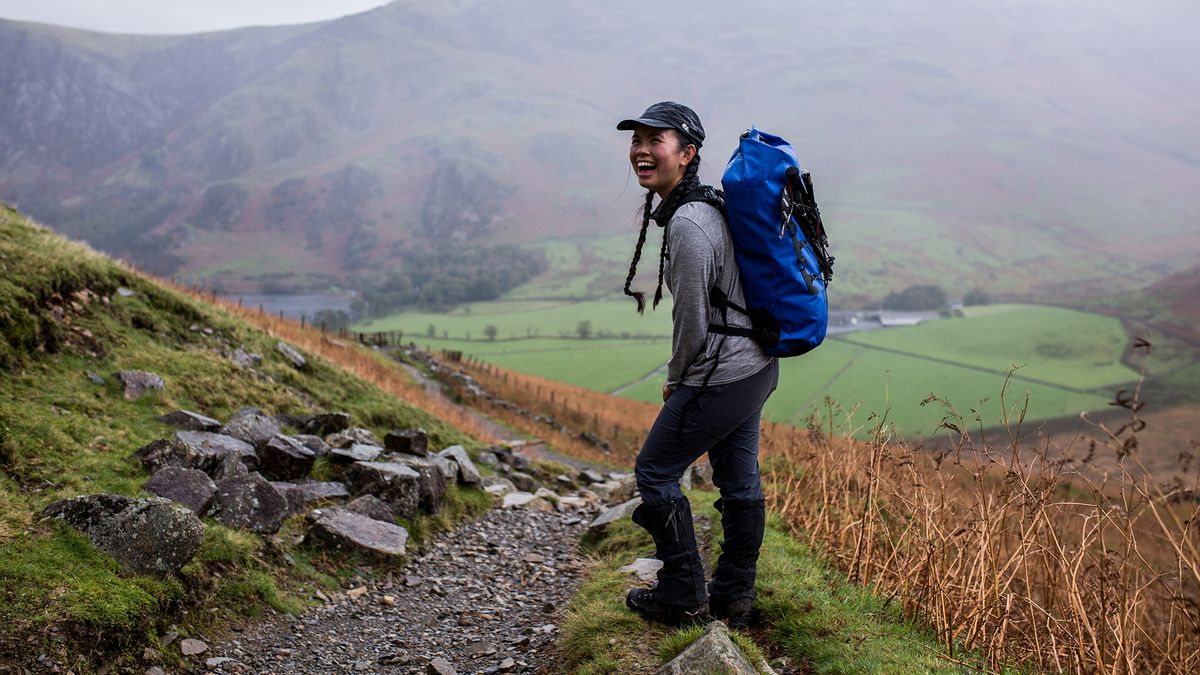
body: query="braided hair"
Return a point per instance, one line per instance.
(661, 216)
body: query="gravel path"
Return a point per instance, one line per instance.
(485, 598)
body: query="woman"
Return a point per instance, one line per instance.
(716, 384)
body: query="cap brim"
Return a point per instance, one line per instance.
(630, 125)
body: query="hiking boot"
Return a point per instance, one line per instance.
(735, 613)
(731, 591)
(648, 603)
(680, 592)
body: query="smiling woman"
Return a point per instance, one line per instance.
(179, 16)
(715, 388)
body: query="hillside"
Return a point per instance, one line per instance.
(967, 144)
(69, 320)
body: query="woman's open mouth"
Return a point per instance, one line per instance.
(644, 168)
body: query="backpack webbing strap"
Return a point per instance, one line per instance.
(721, 301)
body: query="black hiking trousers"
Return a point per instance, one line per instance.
(721, 420)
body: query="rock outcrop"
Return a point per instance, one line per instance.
(712, 652)
(190, 487)
(144, 536)
(343, 529)
(250, 502)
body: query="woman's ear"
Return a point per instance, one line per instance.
(689, 153)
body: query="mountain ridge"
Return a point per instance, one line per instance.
(312, 149)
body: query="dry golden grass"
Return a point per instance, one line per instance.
(1018, 552)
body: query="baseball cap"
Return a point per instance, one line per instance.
(669, 115)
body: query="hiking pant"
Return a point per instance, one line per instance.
(721, 420)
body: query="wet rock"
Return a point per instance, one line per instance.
(190, 647)
(190, 487)
(215, 454)
(467, 473)
(138, 383)
(315, 443)
(624, 510)
(144, 536)
(250, 503)
(251, 426)
(187, 420)
(350, 436)
(525, 500)
(698, 477)
(245, 359)
(371, 507)
(284, 458)
(300, 495)
(394, 483)
(615, 491)
(712, 652)
(291, 354)
(645, 569)
(523, 481)
(432, 483)
(325, 424)
(357, 452)
(342, 529)
(590, 476)
(408, 441)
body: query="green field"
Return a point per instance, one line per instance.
(1065, 361)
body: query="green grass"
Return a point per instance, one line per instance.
(1069, 361)
(61, 435)
(1066, 347)
(814, 617)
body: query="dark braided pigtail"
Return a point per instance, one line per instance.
(637, 255)
(665, 211)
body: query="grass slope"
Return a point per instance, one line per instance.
(812, 618)
(61, 318)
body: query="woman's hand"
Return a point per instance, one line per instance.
(667, 392)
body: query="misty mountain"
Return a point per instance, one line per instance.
(1021, 147)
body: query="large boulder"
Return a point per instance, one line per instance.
(190, 487)
(144, 536)
(186, 420)
(252, 426)
(342, 529)
(394, 483)
(467, 473)
(432, 483)
(324, 424)
(138, 383)
(250, 502)
(712, 652)
(407, 441)
(284, 458)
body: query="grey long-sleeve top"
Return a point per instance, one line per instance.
(700, 256)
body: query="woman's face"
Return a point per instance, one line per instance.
(659, 158)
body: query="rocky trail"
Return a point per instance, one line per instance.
(482, 599)
(485, 598)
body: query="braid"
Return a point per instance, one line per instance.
(665, 211)
(637, 254)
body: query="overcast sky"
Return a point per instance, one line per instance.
(178, 16)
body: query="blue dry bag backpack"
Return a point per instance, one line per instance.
(780, 245)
